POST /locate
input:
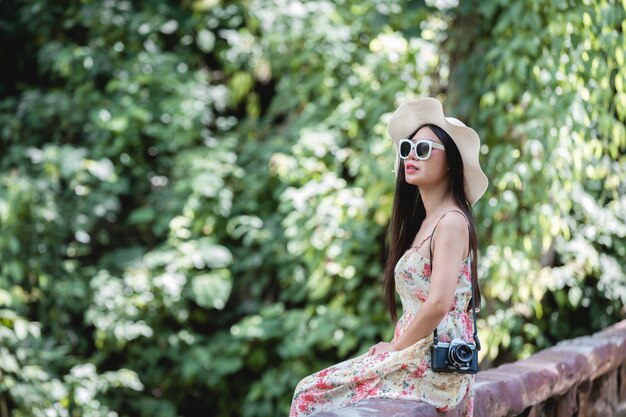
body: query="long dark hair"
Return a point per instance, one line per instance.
(409, 213)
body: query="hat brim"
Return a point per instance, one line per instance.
(411, 115)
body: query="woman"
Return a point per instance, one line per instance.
(438, 180)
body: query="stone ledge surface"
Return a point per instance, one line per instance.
(511, 388)
(383, 407)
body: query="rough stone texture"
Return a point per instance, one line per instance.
(621, 394)
(381, 407)
(561, 406)
(567, 405)
(582, 377)
(510, 389)
(598, 398)
(622, 382)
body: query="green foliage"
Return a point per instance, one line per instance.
(194, 196)
(553, 133)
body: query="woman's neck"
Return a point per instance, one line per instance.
(436, 200)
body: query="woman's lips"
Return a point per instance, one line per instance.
(411, 169)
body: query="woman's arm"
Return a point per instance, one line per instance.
(450, 243)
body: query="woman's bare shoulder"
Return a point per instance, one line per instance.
(452, 229)
(453, 222)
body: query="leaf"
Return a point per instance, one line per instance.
(205, 40)
(142, 215)
(214, 256)
(212, 290)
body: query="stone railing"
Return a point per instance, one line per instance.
(582, 377)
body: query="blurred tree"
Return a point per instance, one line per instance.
(546, 84)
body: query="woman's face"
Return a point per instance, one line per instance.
(431, 171)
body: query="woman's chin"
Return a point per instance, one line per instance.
(412, 179)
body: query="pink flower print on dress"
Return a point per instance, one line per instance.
(406, 276)
(323, 385)
(426, 270)
(444, 338)
(468, 325)
(402, 323)
(421, 295)
(362, 389)
(306, 401)
(470, 403)
(323, 372)
(420, 371)
(465, 272)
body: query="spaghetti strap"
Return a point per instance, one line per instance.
(422, 242)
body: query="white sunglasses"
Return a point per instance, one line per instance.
(422, 147)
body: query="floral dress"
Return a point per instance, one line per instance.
(403, 374)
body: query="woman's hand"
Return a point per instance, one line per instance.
(381, 347)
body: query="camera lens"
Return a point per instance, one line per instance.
(460, 354)
(463, 353)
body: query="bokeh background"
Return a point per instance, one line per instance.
(195, 195)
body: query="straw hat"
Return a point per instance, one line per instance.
(411, 115)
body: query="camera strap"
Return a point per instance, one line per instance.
(475, 335)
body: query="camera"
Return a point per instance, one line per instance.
(456, 356)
